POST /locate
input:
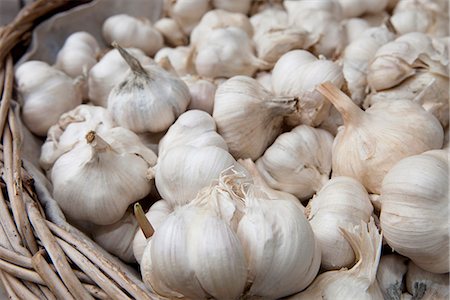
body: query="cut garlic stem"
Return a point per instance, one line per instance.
(99, 144)
(132, 62)
(143, 222)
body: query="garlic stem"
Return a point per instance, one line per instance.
(132, 62)
(143, 222)
(349, 110)
(99, 144)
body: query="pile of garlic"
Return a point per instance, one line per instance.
(280, 148)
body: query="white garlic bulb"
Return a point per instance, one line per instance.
(193, 128)
(342, 202)
(148, 99)
(248, 117)
(296, 74)
(356, 8)
(180, 58)
(108, 72)
(202, 92)
(172, 33)
(426, 285)
(226, 52)
(188, 13)
(298, 162)
(236, 6)
(184, 170)
(71, 129)
(156, 215)
(359, 282)
(78, 54)
(115, 163)
(391, 270)
(117, 238)
(372, 141)
(419, 232)
(46, 94)
(132, 32)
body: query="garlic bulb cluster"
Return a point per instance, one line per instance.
(193, 128)
(148, 99)
(188, 13)
(71, 129)
(322, 19)
(401, 58)
(426, 285)
(202, 92)
(78, 54)
(180, 59)
(236, 6)
(356, 8)
(298, 162)
(372, 141)
(419, 232)
(391, 270)
(172, 33)
(108, 72)
(132, 32)
(357, 56)
(296, 74)
(248, 117)
(359, 282)
(46, 93)
(116, 163)
(342, 202)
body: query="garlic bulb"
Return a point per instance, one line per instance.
(425, 88)
(426, 285)
(78, 54)
(202, 92)
(226, 52)
(188, 13)
(322, 19)
(354, 28)
(193, 128)
(296, 74)
(372, 141)
(148, 99)
(356, 59)
(71, 129)
(172, 33)
(419, 232)
(298, 162)
(359, 282)
(117, 238)
(180, 58)
(356, 8)
(184, 170)
(391, 270)
(236, 6)
(341, 202)
(195, 254)
(216, 19)
(115, 163)
(248, 117)
(156, 215)
(132, 32)
(399, 59)
(46, 94)
(108, 72)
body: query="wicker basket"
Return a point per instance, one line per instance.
(41, 255)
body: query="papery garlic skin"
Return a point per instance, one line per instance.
(148, 99)
(117, 238)
(372, 141)
(116, 164)
(71, 129)
(171, 31)
(296, 74)
(202, 92)
(391, 270)
(342, 202)
(108, 72)
(180, 58)
(420, 232)
(78, 54)
(132, 32)
(426, 285)
(298, 162)
(236, 6)
(188, 13)
(193, 128)
(248, 117)
(46, 94)
(156, 215)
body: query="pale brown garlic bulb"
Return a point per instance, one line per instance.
(372, 141)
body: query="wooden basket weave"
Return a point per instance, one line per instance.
(41, 255)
